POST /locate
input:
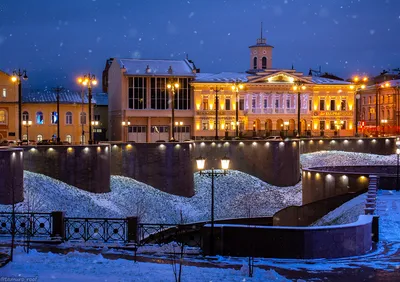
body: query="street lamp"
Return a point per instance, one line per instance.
(89, 80)
(217, 90)
(58, 90)
(27, 124)
(94, 123)
(359, 84)
(16, 77)
(125, 125)
(200, 161)
(398, 159)
(235, 87)
(339, 125)
(384, 121)
(172, 86)
(298, 86)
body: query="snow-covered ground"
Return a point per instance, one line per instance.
(76, 266)
(236, 195)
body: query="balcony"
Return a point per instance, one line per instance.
(212, 112)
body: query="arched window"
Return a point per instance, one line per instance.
(3, 116)
(24, 137)
(39, 118)
(68, 118)
(54, 117)
(68, 138)
(39, 138)
(25, 116)
(83, 118)
(255, 63)
(264, 63)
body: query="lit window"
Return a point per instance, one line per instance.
(68, 138)
(39, 138)
(39, 118)
(54, 117)
(4, 92)
(3, 116)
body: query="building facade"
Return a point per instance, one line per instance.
(206, 103)
(40, 109)
(379, 110)
(138, 93)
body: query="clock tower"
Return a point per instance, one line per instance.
(260, 55)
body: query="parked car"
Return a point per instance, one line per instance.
(4, 143)
(25, 142)
(271, 138)
(46, 142)
(12, 143)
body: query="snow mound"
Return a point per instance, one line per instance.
(237, 194)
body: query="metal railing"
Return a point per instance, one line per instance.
(96, 229)
(32, 224)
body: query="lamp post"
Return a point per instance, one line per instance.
(94, 123)
(89, 80)
(58, 90)
(27, 124)
(16, 77)
(298, 86)
(172, 86)
(359, 84)
(235, 87)
(216, 90)
(200, 161)
(125, 125)
(398, 162)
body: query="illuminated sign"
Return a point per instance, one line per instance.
(333, 113)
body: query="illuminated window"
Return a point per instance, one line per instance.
(39, 138)
(205, 125)
(205, 103)
(68, 138)
(54, 117)
(3, 116)
(39, 118)
(4, 92)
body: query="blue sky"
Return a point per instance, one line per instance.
(58, 40)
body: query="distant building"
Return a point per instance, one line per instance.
(40, 107)
(101, 116)
(267, 104)
(379, 111)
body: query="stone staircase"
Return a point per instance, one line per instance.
(370, 202)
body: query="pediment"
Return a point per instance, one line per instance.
(279, 77)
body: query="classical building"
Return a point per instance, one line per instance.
(138, 93)
(379, 110)
(266, 99)
(268, 103)
(8, 108)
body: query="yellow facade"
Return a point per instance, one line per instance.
(69, 131)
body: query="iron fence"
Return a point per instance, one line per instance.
(32, 224)
(96, 229)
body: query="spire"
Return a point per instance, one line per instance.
(292, 67)
(261, 31)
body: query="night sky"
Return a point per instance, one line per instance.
(56, 41)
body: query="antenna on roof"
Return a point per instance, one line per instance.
(292, 67)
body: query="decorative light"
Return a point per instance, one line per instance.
(225, 163)
(200, 161)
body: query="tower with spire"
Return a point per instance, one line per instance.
(260, 54)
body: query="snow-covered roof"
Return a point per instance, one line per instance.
(157, 67)
(101, 99)
(323, 80)
(221, 77)
(50, 96)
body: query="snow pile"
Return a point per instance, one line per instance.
(89, 267)
(236, 195)
(340, 158)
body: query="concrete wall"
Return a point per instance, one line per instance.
(11, 175)
(305, 215)
(165, 166)
(322, 183)
(275, 162)
(380, 146)
(291, 242)
(85, 167)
